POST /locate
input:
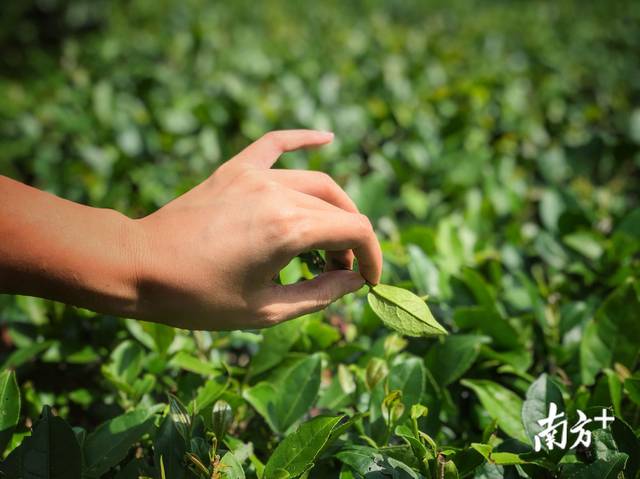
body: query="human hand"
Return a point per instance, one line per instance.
(208, 258)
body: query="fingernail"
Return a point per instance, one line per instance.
(330, 134)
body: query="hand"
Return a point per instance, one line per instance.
(208, 258)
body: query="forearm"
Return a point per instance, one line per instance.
(57, 249)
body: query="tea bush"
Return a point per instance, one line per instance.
(494, 145)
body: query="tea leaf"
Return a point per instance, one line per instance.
(51, 451)
(299, 450)
(403, 311)
(9, 407)
(109, 443)
(501, 404)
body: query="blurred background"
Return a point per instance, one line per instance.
(494, 144)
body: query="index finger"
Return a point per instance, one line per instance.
(264, 152)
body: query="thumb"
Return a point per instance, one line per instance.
(306, 297)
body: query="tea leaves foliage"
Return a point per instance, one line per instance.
(495, 146)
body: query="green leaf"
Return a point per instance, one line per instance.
(51, 452)
(451, 357)
(189, 362)
(126, 362)
(111, 441)
(230, 468)
(403, 311)
(595, 354)
(599, 469)
(208, 393)
(26, 354)
(276, 342)
(467, 460)
(170, 448)
(628, 443)
(585, 243)
(615, 390)
(180, 418)
(489, 322)
(632, 386)
(500, 458)
(540, 395)
(291, 394)
(423, 272)
(613, 335)
(501, 404)
(9, 407)
(373, 464)
(161, 334)
(298, 451)
(408, 376)
(483, 295)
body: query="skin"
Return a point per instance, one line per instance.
(207, 259)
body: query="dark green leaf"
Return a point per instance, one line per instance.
(51, 452)
(450, 358)
(299, 450)
(276, 342)
(292, 393)
(501, 404)
(540, 395)
(9, 407)
(111, 441)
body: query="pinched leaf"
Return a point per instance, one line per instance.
(299, 450)
(403, 311)
(9, 407)
(501, 404)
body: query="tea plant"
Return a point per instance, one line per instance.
(495, 147)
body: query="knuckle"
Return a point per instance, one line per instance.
(327, 182)
(325, 178)
(365, 224)
(248, 175)
(323, 298)
(269, 187)
(284, 225)
(220, 172)
(271, 138)
(267, 315)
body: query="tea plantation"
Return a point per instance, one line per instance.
(495, 147)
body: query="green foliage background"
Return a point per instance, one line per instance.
(494, 145)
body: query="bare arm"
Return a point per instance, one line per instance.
(205, 260)
(58, 249)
